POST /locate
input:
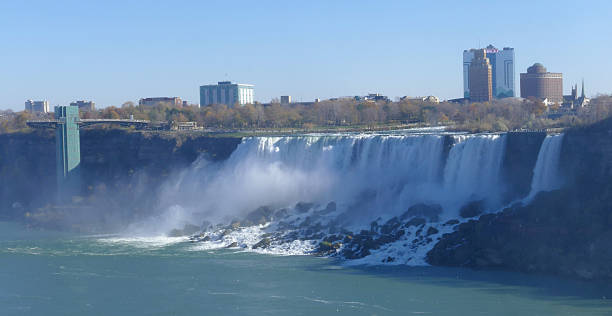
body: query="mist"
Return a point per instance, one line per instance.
(368, 176)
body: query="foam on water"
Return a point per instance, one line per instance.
(246, 237)
(143, 242)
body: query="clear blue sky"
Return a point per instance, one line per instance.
(117, 51)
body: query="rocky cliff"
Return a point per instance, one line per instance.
(565, 232)
(114, 161)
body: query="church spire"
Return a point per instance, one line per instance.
(582, 95)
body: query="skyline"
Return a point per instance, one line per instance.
(111, 53)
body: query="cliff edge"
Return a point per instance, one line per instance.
(564, 232)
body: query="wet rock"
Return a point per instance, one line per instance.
(419, 231)
(415, 222)
(430, 212)
(472, 209)
(303, 207)
(452, 222)
(309, 222)
(399, 233)
(330, 208)
(187, 230)
(432, 230)
(232, 245)
(176, 233)
(327, 248)
(374, 227)
(390, 226)
(263, 244)
(282, 213)
(282, 225)
(235, 225)
(190, 229)
(259, 216)
(332, 238)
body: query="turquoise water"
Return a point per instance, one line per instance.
(50, 273)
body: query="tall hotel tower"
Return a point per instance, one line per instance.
(502, 64)
(480, 77)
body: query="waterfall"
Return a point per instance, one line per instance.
(473, 169)
(368, 176)
(546, 175)
(373, 180)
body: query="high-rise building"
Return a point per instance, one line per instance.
(172, 101)
(37, 106)
(502, 68)
(480, 78)
(226, 92)
(84, 106)
(538, 83)
(285, 99)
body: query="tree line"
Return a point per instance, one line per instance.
(498, 115)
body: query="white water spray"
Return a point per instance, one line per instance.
(368, 176)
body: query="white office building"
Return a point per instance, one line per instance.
(37, 106)
(502, 64)
(226, 92)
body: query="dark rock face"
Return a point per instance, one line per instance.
(263, 244)
(114, 163)
(430, 212)
(27, 167)
(303, 207)
(327, 248)
(187, 230)
(472, 209)
(520, 158)
(559, 233)
(259, 216)
(565, 232)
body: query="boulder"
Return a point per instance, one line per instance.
(263, 244)
(282, 213)
(232, 245)
(330, 208)
(415, 222)
(432, 230)
(187, 230)
(452, 222)
(427, 211)
(235, 225)
(259, 216)
(326, 248)
(303, 207)
(390, 226)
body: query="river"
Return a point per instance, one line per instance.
(57, 273)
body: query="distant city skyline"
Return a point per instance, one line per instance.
(111, 52)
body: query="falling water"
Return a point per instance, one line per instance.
(546, 175)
